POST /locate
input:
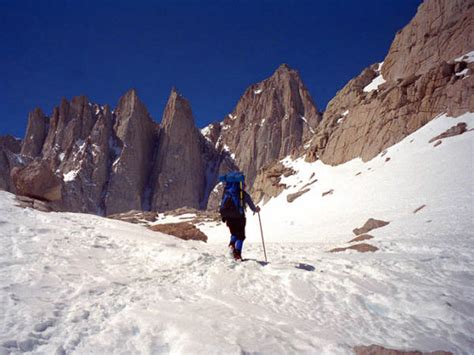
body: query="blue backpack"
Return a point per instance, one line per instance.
(232, 203)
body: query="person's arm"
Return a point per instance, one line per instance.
(248, 201)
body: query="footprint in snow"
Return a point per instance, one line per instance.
(41, 327)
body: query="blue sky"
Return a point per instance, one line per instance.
(210, 50)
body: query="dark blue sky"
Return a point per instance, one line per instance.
(210, 50)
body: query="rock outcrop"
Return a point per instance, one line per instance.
(460, 128)
(441, 31)
(9, 158)
(134, 141)
(35, 133)
(361, 248)
(38, 181)
(182, 230)
(272, 120)
(370, 225)
(267, 183)
(423, 75)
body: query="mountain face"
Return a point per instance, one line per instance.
(427, 72)
(422, 76)
(133, 142)
(180, 177)
(272, 119)
(90, 158)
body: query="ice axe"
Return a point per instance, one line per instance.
(261, 233)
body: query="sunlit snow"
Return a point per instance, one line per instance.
(76, 283)
(468, 57)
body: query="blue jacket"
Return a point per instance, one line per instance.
(248, 201)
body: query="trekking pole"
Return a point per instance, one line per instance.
(261, 233)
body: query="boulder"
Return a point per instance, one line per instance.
(135, 217)
(369, 225)
(37, 181)
(460, 128)
(361, 238)
(361, 248)
(183, 230)
(291, 197)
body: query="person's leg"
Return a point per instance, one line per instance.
(240, 232)
(233, 240)
(234, 229)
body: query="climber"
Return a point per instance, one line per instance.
(232, 210)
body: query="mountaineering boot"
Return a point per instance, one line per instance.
(237, 255)
(233, 239)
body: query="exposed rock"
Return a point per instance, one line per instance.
(86, 169)
(329, 192)
(460, 128)
(441, 31)
(370, 225)
(35, 134)
(361, 248)
(437, 143)
(183, 230)
(28, 202)
(291, 197)
(267, 183)
(135, 217)
(380, 350)
(361, 238)
(135, 143)
(412, 94)
(9, 159)
(310, 183)
(180, 178)
(38, 181)
(419, 208)
(271, 121)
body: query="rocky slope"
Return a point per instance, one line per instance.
(422, 76)
(428, 71)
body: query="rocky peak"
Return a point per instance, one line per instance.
(272, 119)
(178, 114)
(179, 174)
(133, 143)
(35, 133)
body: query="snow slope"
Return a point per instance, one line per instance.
(74, 283)
(416, 174)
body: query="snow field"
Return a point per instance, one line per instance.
(74, 283)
